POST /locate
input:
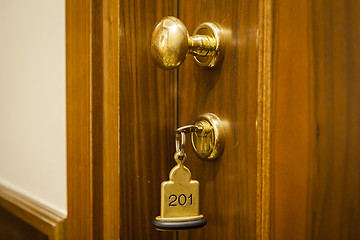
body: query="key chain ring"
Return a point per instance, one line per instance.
(189, 129)
(181, 137)
(180, 157)
(180, 142)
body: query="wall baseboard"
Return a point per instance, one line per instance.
(42, 218)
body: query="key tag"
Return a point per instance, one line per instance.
(179, 196)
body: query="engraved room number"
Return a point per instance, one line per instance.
(181, 200)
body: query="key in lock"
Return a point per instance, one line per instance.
(179, 199)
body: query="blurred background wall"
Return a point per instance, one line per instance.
(32, 99)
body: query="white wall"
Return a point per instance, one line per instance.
(32, 99)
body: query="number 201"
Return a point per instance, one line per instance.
(182, 200)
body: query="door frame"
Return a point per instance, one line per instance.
(92, 83)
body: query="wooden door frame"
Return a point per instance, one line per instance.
(92, 83)
(92, 103)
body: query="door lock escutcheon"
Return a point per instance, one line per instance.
(209, 143)
(170, 43)
(207, 136)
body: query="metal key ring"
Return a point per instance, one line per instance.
(189, 129)
(180, 142)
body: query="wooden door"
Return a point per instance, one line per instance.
(290, 124)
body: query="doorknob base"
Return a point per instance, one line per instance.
(214, 32)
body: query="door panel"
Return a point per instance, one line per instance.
(147, 119)
(228, 184)
(119, 152)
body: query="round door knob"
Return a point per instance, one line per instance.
(170, 43)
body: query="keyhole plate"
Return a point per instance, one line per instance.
(209, 143)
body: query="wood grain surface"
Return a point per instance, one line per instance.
(78, 120)
(316, 120)
(264, 120)
(13, 228)
(227, 185)
(111, 119)
(147, 120)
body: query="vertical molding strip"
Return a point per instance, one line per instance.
(111, 119)
(264, 121)
(78, 120)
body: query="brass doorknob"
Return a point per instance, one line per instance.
(170, 43)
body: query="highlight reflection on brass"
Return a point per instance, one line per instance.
(170, 43)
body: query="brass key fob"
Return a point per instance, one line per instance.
(179, 199)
